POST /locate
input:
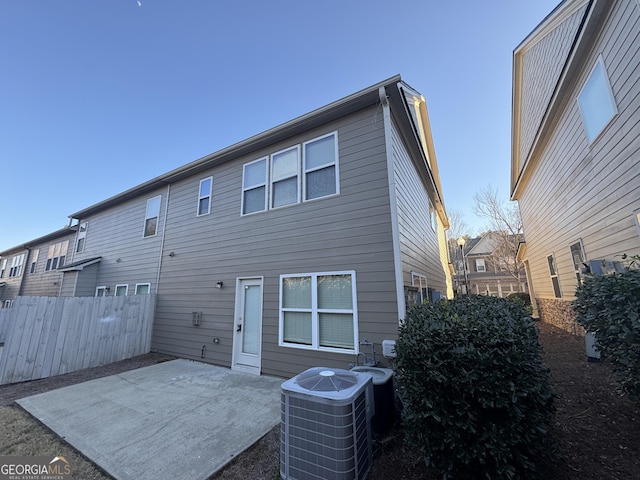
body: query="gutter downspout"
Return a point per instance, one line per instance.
(393, 204)
(164, 229)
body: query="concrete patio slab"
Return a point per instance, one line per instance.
(178, 419)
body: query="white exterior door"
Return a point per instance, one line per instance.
(247, 339)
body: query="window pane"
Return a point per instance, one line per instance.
(203, 206)
(552, 267)
(250, 332)
(297, 327)
(121, 290)
(336, 330)
(556, 287)
(596, 103)
(320, 152)
(80, 245)
(285, 192)
(142, 289)
(150, 226)
(296, 292)
(321, 183)
(153, 207)
(254, 200)
(334, 292)
(205, 187)
(576, 255)
(255, 173)
(285, 164)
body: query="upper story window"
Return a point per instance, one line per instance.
(204, 196)
(82, 234)
(151, 216)
(553, 272)
(318, 311)
(597, 104)
(4, 267)
(480, 265)
(254, 186)
(34, 261)
(276, 180)
(16, 265)
(285, 166)
(56, 255)
(321, 167)
(122, 290)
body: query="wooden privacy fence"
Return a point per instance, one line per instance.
(48, 336)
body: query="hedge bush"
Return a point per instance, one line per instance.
(521, 297)
(609, 307)
(476, 397)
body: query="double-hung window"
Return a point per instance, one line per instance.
(4, 267)
(578, 257)
(597, 104)
(56, 255)
(285, 166)
(82, 234)
(553, 272)
(254, 186)
(204, 196)
(480, 265)
(34, 261)
(318, 311)
(420, 282)
(321, 167)
(151, 216)
(16, 265)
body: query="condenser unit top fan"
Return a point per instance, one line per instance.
(317, 380)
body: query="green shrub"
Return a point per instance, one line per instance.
(522, 298)
(477, 399)
(609, 307)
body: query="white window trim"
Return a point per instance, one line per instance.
(16, 266)
(272, 181)
(422, 280)
(101, 289)
(555, 275)
(140, 285)
(265, 184)
(315, 333)
(34, 261)
(4, 267)
(200, 197)
(577, 268)
(126, 289)
(55, 252)
(147, 217)
(599, 62)
(636, 214)
(481, 261)
(82, 235)
(336, 163)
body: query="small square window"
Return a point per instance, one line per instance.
(121, 290)
(143, 288)
(596, 101)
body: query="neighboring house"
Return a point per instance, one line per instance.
(284, 251)
(488, 270)
(32, 269)
(575, 163)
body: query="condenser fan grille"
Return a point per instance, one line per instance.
(326, 381)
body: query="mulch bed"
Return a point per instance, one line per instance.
(597, 428)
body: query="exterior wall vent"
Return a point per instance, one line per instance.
(196, 318)
(325, 430)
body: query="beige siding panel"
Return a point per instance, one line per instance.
(589, 192)
(419, 244)
(116, 235)
(349, 231)
(541, 68)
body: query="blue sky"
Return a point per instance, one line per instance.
(97, 96)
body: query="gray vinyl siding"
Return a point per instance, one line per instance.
(419, 243)
(116, 235)
(590, 191)
(349, 231)
(542, 65)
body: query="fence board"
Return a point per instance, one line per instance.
(47, 336)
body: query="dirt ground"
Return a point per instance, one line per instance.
(598, 430)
